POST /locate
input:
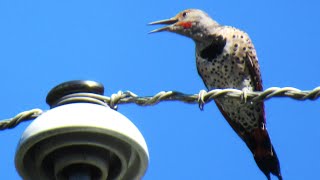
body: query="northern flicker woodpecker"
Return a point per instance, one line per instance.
(226, 58)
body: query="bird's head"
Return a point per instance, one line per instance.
(193, 23)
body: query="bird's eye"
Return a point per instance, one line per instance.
(184, 14)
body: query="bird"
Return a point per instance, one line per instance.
(226, 58)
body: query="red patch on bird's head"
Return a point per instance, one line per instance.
(185, 25)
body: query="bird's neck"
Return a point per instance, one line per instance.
(213, 39)
(204, 33)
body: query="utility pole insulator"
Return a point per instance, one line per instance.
(81, 140)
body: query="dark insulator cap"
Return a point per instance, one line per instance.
(70, 87)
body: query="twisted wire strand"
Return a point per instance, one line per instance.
(201, 98)
(23, 116)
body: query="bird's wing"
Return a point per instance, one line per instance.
(254, 69)
(251, 63)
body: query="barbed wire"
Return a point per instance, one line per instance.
(201, 98)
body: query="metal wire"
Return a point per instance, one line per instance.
(23, 116)
(201, 98)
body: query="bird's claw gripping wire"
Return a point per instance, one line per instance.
(244, 95)
(201, 100)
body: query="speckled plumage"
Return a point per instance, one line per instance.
(229, 69)
(226, 58)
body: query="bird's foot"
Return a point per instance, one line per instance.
(201, 100)
(244, 95)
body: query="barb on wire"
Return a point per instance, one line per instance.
(201, 98)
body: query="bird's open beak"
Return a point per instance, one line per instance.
(169, 22)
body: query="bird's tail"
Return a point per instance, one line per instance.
(269, 164)
(265, 155)
(257, 140)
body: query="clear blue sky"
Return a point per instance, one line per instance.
(44, 43)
